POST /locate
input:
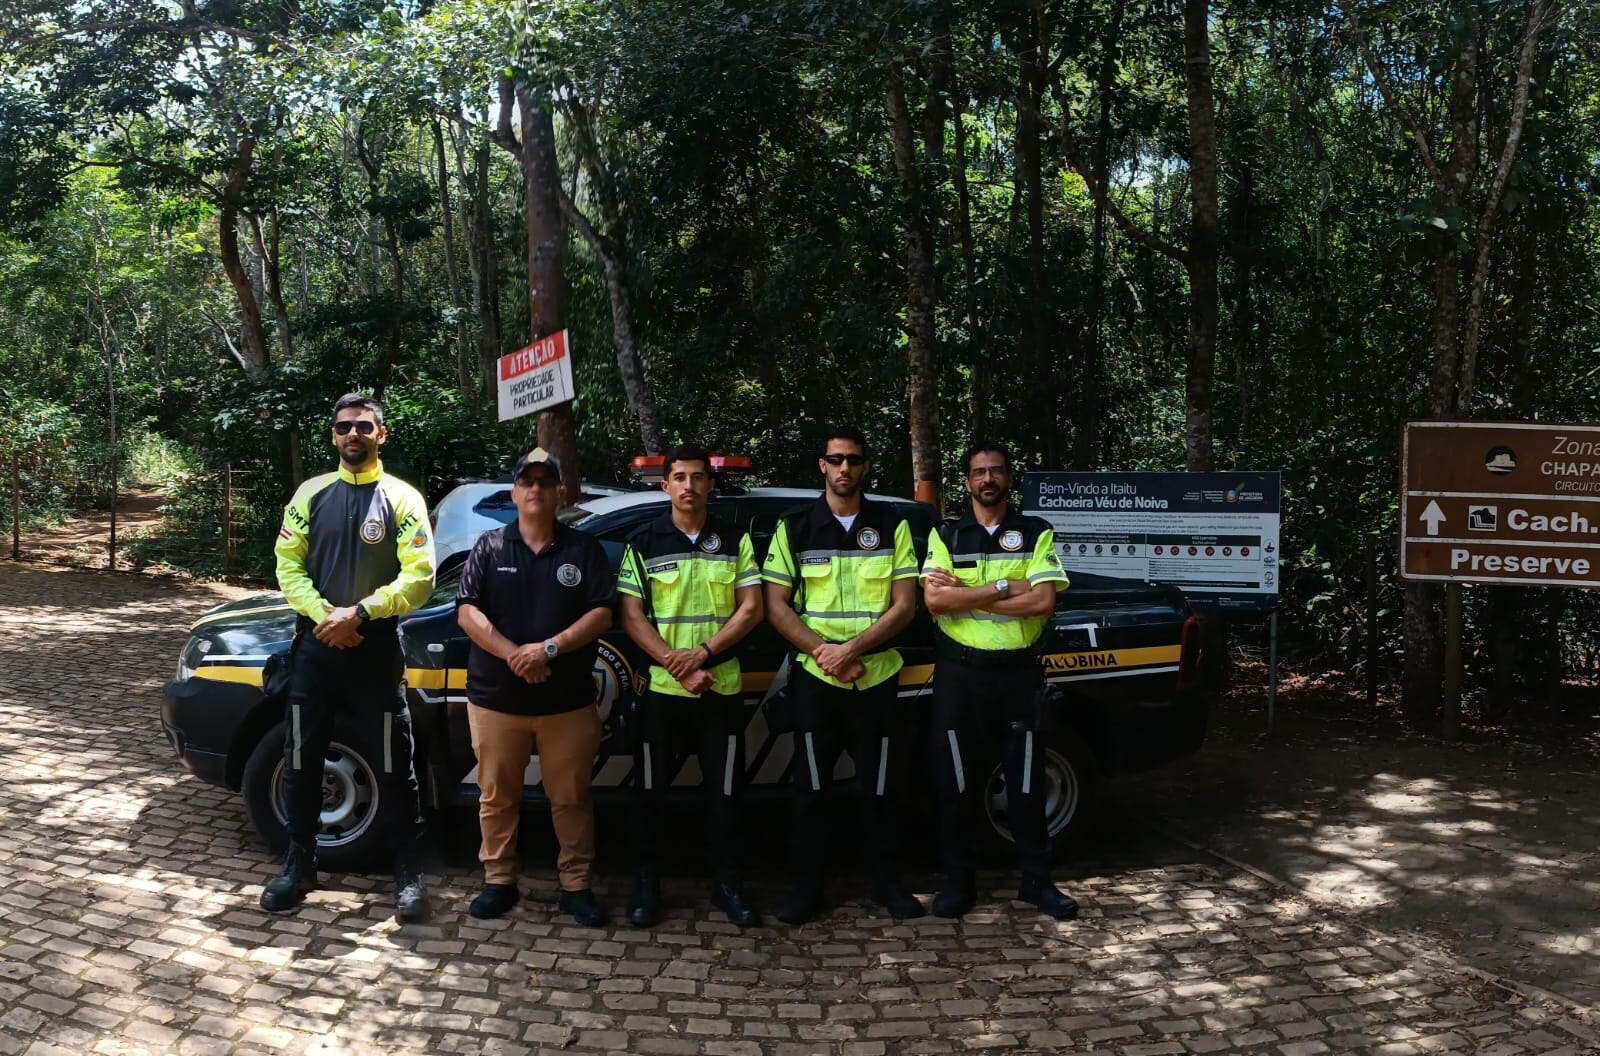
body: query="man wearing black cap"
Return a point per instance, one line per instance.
(533, 597)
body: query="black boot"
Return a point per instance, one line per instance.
(410, 894)
(891, 894)
(493, 901)
(644, 908)
(288, 889)
(728, 896)
(956, 897)
(583, 906)
(1042, 893)
(803, 901)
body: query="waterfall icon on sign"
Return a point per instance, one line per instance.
(1483, 518)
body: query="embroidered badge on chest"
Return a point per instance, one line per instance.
(1011, 539)
(711, 543)
(372, 530)
(569, 576)
(868, 539)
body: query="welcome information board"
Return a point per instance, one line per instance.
(1212, 535)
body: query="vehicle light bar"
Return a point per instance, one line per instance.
(649, 467)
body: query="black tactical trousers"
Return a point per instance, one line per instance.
(829, 720)
(362, 682)
(981, 715)
(670, 729)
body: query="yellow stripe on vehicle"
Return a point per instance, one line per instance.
(1071, 664)
(245, 676)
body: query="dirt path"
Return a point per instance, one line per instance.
(83, 541)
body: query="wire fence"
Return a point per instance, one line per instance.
(212, 523)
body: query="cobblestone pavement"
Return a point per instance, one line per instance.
(128, 890)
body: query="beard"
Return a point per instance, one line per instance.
(989, 498)
(354, 454)
(845, 490)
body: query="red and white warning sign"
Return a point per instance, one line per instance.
(535, 377)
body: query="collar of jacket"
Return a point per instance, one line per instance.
(366, 477)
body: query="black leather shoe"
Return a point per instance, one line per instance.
(891, 894)
(729, 897)
(1046, 896)
(410, 897)
(956, 898)
(583, 906)
(493, 901)
(644, 907)
(802, 903)
(288, 889)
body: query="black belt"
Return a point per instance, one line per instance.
(950, 649)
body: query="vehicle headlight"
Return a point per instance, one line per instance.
(194, 650)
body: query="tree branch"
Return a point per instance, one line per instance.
(1537, 15)
(503, 136)
(174, 26)
(233, 349)
(1418, 134)
(1075, 162)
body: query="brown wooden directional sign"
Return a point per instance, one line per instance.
(1500, 502)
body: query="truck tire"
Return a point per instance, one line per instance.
(1070, 793)
(353, 834)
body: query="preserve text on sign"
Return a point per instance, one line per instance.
(535, 377)
(1514, 503)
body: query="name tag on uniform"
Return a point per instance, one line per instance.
(504, 568)
(815, 560)
(668, 567)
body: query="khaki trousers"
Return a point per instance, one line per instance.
(566, 744)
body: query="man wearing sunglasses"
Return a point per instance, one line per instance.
(990, 582)
(840, 584)
(533, 598)
(355, 553)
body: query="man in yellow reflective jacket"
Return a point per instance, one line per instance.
(690, 592)
(990, 582)
(840, 584)
(355, 553)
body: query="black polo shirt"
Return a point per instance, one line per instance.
(530, 597)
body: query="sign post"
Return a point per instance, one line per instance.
(1510, 503)
(536, 377)
(1212, 535)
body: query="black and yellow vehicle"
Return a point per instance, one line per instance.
(1126, 659)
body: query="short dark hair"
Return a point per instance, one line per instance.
(846, 432)
(980, 447)
(684, 453)
(357, 399)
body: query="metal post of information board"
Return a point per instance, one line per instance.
(1272, 670)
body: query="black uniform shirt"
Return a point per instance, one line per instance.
(530, 597)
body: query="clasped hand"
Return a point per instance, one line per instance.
(338, 628)
(529, 663)
(838, 662)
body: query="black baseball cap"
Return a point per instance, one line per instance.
(538, 457)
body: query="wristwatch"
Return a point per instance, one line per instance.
(1002, 585)
(550, 649)
(362, 613)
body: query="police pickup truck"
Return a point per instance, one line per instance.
(1127, 660)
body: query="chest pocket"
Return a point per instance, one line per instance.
(665, 583)
(719, 577)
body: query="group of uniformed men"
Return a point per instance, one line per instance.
(356, 552)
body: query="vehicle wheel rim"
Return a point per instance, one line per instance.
(349, 797)
(1061, 796)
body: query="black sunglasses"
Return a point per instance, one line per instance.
(365, 428)
(837, 459)
(543, 480)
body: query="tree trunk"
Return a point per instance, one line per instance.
(611, 246)
(547, 256)
(923, 374)
(452, 266)
(1086, 435)
(252, 348)
(1201, 353)
(977, 353)
(1043, 385)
